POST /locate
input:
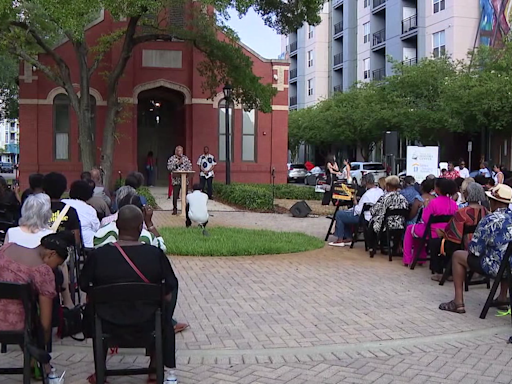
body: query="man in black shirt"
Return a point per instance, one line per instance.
(106, 265)
(36, 186)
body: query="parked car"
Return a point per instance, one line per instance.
(6, 168)
(313, 175)
(359, 169)
(296, 172)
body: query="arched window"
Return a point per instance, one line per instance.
(249, 135)
(61, 126)
(222, 130)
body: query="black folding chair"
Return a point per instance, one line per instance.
(504, 270)
(395, 235)
(24, 337)
(468, 230)
(338, 203)
(114, 336)
(362, 226)
(434, 219)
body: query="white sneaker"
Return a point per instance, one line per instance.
(333, 244)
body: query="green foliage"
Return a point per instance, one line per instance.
(144, 191)
(249, 196)
(223, 241)
(294, 192)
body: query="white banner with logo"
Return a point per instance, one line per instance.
(422, 161)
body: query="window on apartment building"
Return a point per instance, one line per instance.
(310, 58)
(13, 124)
(311, 32)
(311, 91)
(366, 3)
(366, 67)
(13, 138)
(6, 137)
(61, 126)
(439, 5)
(438, 44)
(249, 135)
(366, 32)
(222, 130)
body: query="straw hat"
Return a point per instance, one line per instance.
(501, 193)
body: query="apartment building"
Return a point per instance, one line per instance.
(9, 140)
(356, 38)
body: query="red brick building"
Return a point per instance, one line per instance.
(165, 108)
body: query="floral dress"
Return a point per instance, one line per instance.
(391, 201)
(173, 165)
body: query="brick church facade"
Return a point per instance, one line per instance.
(164, 107)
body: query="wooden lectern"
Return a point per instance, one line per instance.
(184, 176)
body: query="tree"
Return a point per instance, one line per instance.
(9, 108)
(32, 27)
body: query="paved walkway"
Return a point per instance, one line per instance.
(328, 316)
(165, 204)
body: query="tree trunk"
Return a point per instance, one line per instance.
(109, 131)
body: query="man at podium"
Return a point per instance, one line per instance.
(178, 162)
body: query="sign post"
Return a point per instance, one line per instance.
(422, 161)
(470, 149)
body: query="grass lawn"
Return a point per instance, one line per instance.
(225, 241)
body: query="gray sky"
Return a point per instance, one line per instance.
(254, 33)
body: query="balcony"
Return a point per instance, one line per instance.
(338, 88)
(337, 3)
(293, 101)
(338, 60)
(378, 5)
(293, 48)
(379, 74)
(410, 62)
(410, 25)
(293, 74)
(338, 29)
(379, 38)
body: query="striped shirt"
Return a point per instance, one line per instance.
(110, 234)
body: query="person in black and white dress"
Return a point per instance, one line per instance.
(207, 163)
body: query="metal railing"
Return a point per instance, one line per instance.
(379, 74)
(338, 27)
(293, 100)
(410, 24)
(410, 62)
(293, 73)
(338, 88)
(293, 47)
(379, 37)
(378, 3)
(338, 59)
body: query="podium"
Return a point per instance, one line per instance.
(184, 176)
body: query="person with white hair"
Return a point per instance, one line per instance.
(34, 224)
(120, 195)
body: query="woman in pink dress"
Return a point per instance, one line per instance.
(443, 204)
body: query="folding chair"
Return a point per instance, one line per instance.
(338, 204)
(152, 294)
(393, 234)
(504, 269)
(434, 219)
(362, 225)
(24, 337)
(468, 230)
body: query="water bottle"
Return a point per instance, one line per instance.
(53, 378)
(171, 377)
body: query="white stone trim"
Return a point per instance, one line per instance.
(280, 108)
(162, 83)
(57, 91)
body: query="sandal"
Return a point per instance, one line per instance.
(452, 306)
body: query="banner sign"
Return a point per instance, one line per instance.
(422, 161)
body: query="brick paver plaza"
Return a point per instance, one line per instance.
(327, 316)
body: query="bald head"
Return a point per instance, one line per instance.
(96, 175)
(129, 222)
(178, 151)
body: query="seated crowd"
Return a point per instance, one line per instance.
(463, 224)
(49, 231)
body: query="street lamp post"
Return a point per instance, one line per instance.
(227, 100)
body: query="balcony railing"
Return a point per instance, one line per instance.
(338, 59)
(338, 27)
(338, 88)
(293, 101)
(293, 47)
(410, 24)
(410, 62)
(379, 74)
(379, 37)
(335, 3)
(378, 3)
(293, 73)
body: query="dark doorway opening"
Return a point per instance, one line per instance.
(160, 128)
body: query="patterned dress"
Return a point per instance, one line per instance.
(391, 200)
(173, 165)
(491, 239)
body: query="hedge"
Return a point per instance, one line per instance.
(294, 192)
(142, 191)
(249, 196)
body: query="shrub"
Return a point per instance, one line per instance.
(250, 196)
(142, 191)
(294, 192)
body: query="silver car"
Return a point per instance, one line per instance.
(296, 172)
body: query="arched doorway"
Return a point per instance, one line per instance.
(160, 128)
